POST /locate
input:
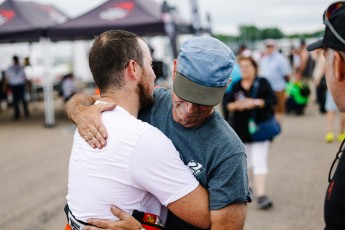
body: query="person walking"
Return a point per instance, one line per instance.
(16, 80)
(276, 69)
(242, 103)
(333, 43)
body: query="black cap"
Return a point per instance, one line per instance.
(337, 19)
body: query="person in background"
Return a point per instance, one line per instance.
(297, 91)
(235, 77)
(331, 114)
(16, 80)
(276, 69)
(320, 80)
(3, 91)
(68, 87)
(307, 62)
(241, 103)
(333, 43)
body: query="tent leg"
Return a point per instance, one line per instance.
(48, 92)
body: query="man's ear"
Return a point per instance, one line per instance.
(174, 69)
(339, 66)
(133, 70)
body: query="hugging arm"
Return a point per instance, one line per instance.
(231, 217)
(87, 117)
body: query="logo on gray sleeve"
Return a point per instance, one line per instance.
(195, 167)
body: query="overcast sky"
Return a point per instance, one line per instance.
(289, 15)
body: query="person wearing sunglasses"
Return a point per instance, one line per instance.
(333, 44)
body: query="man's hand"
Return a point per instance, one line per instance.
(126, 222)
(89, 123)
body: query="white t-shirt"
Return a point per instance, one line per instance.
(138, 169)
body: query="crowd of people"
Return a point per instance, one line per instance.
(297, 79)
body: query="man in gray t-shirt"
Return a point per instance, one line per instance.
(207, 144)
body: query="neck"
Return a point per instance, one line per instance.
(247, 83)
(124, 98)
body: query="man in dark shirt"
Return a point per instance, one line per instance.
(333, 44)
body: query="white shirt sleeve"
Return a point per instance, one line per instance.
(156, 167)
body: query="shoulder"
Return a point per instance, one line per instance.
(263, 81)
(161, 93)
(226, 139)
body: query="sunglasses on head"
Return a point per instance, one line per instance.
(328, 13)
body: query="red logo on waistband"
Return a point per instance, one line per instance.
(6, 16)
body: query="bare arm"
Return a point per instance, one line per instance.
(231, 217)
(193, 208)
(87, 117)
(248, 103)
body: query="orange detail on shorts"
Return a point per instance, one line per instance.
(68, 227)
(329, 190)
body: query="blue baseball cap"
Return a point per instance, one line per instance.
(204, 65)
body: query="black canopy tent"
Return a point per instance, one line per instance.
(142, 17)
(31, 22)
(27, 21)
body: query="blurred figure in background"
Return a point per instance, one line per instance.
(241, 103)
(276, 69)
(320, 80)
(235, 77)
(68, 87)
(3, 92)
(332, 111)
(16, 80)
(297, 92)
(307, 62)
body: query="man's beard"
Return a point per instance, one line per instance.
(145, 98)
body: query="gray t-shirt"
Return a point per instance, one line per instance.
(213, 151)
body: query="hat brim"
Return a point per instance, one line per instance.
(196, 93)
(315, 45)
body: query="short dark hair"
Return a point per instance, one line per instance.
(109, 56)
(15, 58)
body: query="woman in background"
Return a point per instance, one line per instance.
(242, 103)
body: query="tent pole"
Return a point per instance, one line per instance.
(48, 86)
(169, 26)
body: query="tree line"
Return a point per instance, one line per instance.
(251, 33)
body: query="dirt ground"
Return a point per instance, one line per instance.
(34, 161)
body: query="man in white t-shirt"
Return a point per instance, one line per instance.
(139, 169)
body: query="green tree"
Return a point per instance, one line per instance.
(249, 33)
(274, 33)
